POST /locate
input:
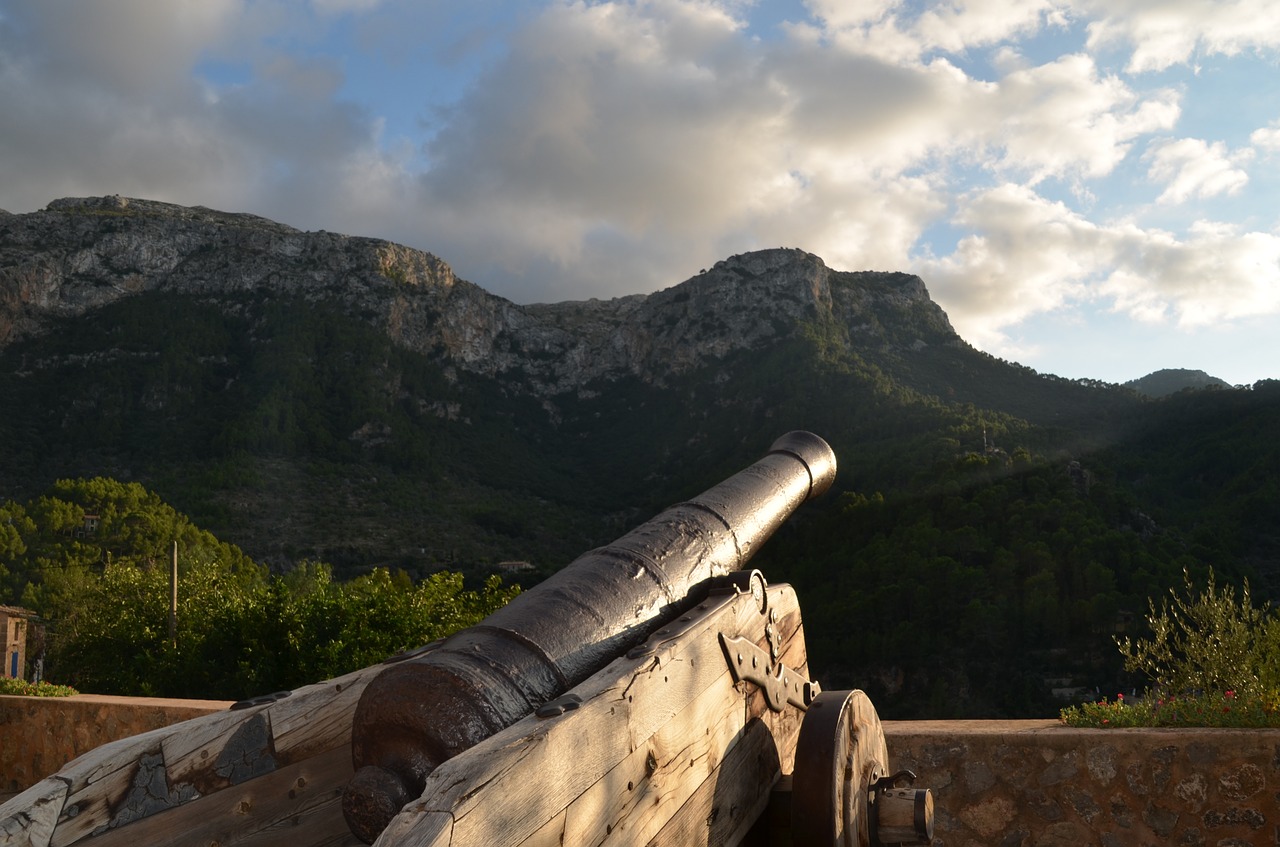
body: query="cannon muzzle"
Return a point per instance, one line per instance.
(449, 696)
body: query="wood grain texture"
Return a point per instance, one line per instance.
(231, 776)
(727, 804)
(299, 804)
(652, 733)
(30, 818)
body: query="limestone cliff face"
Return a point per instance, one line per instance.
(82, 254)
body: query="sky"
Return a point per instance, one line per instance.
(1087, 187)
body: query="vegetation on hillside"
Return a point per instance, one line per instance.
(960, 597)
(294, 429)
(963, 565)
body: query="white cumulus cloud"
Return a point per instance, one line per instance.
(1267, 137)
(1029, 255)
(1191, 168)
(1162, 33)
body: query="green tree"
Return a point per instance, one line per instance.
(239, 636)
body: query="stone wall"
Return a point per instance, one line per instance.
(38, 735)
(1041, 784)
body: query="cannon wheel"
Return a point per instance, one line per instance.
(840, 753)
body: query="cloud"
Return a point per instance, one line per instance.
(339, 7)
(661, 129)
(957, 27)
(1169, 32)
(1029, 255)
(1267, 137)
(1213, 275)
(105, 98)
(141, 46)
(1026, 255)
(895, 30)
(1191, 167)
(1063, 118)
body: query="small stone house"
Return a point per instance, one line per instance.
(13, 641)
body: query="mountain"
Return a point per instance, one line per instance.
(281, 385)
(310, 395)
(1162, 383)
(80, 255)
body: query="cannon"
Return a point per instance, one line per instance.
(654, 691)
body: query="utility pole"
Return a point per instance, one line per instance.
(173, 597)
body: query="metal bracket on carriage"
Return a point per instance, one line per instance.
(721, 591)
(781, 685)
(742, 582)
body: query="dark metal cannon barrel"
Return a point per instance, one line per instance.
(426, 709)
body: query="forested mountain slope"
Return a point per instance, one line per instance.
(314, 396)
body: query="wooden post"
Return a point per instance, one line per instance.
(173, 597)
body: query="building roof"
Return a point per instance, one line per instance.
(16, 612)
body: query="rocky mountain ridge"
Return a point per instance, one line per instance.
(81, 254)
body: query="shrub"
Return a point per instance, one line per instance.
(1224, 709)
(34, 689)
(1213, 660)
(1207, 641)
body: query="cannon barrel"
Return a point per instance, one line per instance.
(453, 694)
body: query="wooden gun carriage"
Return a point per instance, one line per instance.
(652, 692)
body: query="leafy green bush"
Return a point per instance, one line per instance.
(34, 689)
(1206, 641)
(1212, 658)
(239, 637)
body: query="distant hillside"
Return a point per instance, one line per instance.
(1162, 383)
(312, 396)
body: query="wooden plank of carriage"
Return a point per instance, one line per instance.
(29, 818)
(430, 829)
(187, 759)
(298, 804)
(318, 717)
(737, 788)
(632, 803)
(90, 787)
(192, 751)
(728, 803)
(692, 733)
(551, 834)
(510, 787)
(312, 720)
(99, 781)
